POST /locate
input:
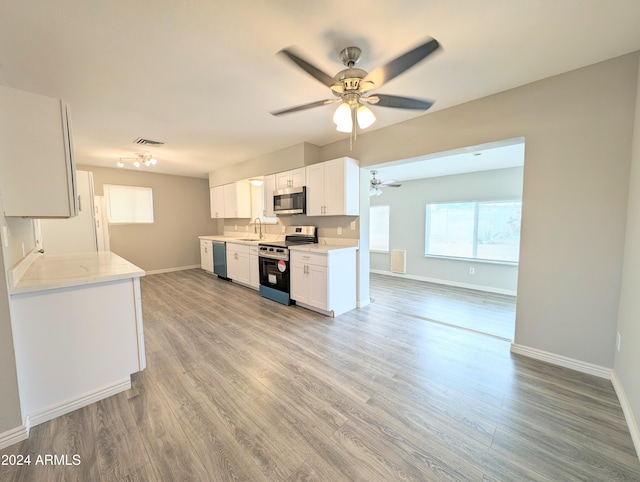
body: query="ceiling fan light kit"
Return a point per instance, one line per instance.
(376, 184)
(352, 85)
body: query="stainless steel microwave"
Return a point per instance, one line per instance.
(292, 200)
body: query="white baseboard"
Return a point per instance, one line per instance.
(14, 436)
(80, 401)
(170, 270)
(563, 361)
(488, 289)
(363, 303)
(628, 412)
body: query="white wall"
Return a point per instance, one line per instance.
(627, 360)
(407, 226)
(578, 132)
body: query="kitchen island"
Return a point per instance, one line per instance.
(77, 330)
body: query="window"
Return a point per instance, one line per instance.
(379, 229)
(477, 230)
(128, 204)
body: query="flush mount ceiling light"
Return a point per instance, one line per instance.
(352, 86)
(256, 182)
(140, 160)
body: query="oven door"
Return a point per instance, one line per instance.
(274, 274)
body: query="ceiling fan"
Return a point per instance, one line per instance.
(376, 185)
(352, 86)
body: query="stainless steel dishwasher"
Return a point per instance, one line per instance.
(220, 259)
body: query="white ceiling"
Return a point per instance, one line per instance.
(487, 157)
(202, 75)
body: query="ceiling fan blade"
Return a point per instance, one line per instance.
(384, 74)
(312, 70)
(389, 184)
(305, 106)
(398, 102)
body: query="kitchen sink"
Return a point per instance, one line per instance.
(243, 239)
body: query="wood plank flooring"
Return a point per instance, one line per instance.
(489, 313)
(241, 388)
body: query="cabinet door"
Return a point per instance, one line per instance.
(243, 268)
(282, 180)
(216, 198)
(315, 189)
(298, 177)
(243, 199)
(254, 267)
(206, 255)
(230, 208)
(317, 295)
(298, 282)
(269, 186)
(36, 156)
(334, 191)
(232, 264)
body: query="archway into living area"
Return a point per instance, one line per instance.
(444, 244)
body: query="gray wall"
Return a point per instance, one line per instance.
(20, 231)
(181, 214)
(407, 226)
(578, 131)
(627, 360)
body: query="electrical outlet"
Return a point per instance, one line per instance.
(283, 228)
(618, 341)
(5, 237)
(339, 231)
(353, 225)
(472, 271)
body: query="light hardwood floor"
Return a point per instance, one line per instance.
(489, 313)
(241, 388)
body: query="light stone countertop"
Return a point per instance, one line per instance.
(320, 248)
(52, 271)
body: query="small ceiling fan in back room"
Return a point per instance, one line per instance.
(352, 86)
(376, 185)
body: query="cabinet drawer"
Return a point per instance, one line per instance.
(238, 248)
(253, 249)
(306, 257)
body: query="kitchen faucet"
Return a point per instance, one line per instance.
(256, 221)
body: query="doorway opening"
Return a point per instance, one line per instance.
(445, 236)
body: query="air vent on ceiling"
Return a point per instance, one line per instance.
(141, 141)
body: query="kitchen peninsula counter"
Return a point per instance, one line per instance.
(40, 272)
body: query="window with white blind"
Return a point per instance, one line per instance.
(128, 204)
(476, 230)
(379, 229)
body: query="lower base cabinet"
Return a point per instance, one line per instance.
(324, 282)
(238, 263)
(254, 267)
(206, 255)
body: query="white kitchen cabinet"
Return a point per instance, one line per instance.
(238, 263)
(254, 267)
(324, 282)
(268, 186)
(237, 199)
(216, 199)
(333, 188)
(67, 356)
(206, 255)
(36, 156)
(293, 178)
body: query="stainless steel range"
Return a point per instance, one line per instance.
(274, 263)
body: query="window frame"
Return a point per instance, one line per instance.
(474, 256)
(114, 218)
(388, 220)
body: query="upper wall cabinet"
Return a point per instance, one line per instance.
(333, 188)
(216, 199)
(37, 170)
(237, 199)
(294, 178)
(231, 200)
(267, 188)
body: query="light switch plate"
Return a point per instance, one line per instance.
(5, 237)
